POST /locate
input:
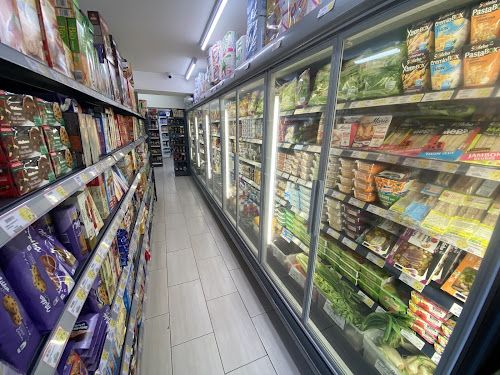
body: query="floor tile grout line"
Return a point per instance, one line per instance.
(249, 363)
(195, 338)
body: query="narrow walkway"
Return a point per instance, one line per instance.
(206, 313)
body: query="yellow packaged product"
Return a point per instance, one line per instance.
(452, 30)
(420, 37)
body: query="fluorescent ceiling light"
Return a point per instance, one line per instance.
(377, 56)
(213, 23)
(191, 68)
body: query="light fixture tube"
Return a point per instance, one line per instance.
(197, 142)
(272, 172)
(213, 23)
(377, 56)
(191, 68)
(226, 152)
(207, 148)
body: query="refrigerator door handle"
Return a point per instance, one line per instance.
(320, 188)
(312, 206)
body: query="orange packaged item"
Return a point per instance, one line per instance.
(485, 21)
(372, 168)
(346, 181)
(461, 280)
(367, 197)
(482, 63)
(364, 186)
(364, 177)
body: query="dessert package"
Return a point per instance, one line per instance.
(371, 131)
(70, 362)
(62, 162)
(420, 37)
(461, 280)
(20, 110)
(32, 33)
(11, 33)
(69, 231)
(98, 300)
(56, 137)
(24, 269)
(97, 190)
(20, 143)
(452, 30)
(481, 63)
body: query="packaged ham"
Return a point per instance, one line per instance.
(439, 218)
(451, 30)
(485, 21)
(482, 63)
(485, 148)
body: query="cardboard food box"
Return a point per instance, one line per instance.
(20, 110)
(56, 138)
(101, 33)
(20, 143)
(32, 32)
(461, 280)
(97, 189)
(63, 162)
(11, 33)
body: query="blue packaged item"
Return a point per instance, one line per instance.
(451, 30)
(255, 8)
(447, 69)
(256, 36)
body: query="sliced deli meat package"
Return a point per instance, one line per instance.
(481, 63)
(485, 21)
(452, 30)
(371, 131)
(485, 148)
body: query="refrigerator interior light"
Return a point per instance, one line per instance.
(207, 147)
(213, 23)
(226, 152)
(377, 56)
(196, 137)
(272, 172)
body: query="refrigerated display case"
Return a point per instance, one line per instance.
(199, 122)
(216, 151)
(193, 144)
(380, 187)
(250, 132)
(228, 107)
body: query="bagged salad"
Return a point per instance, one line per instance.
(287, 96)
(320, 90)
(349, 82)
(302, 90)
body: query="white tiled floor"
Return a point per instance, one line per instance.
(206, 314)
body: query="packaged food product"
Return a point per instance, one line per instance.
(442, 340)
(447, 69)
(379, 241)
(32, 34)
(367, 287)
(69, 231)
(11, 33)
(356, 220)
(425, 315)
(348, 163)
(481, 63)
(20, 110)
(353, 259)
(364, 177)
(391, 185)
(419, 139)
(20, 143)
(349, 82)
(371, 273)
(485, 22)
(350, 234)
(416, 74)
(452, 30)
(333, 203)
(461, 280)
(358, 229)
(363, 186)
(444, 178)
(302, 90)
(438, 348)
(320, 89)
(371, 131)
(347, 173)
(448, 326)
(420, 37)
(468, 217)
(343, 135)
(485, 148)
(441, 214)
(418, 206)
(426, 330)
(394, 296)
(397, 136)
(366, 197)
(429, 306)
(348, 182)
(354, 211)
(346, 189)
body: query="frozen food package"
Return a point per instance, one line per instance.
(485, 148)
(303, 90)
(461, 280)
(420, 37)
(255, 8)
(320, 89)
(416, 73)
(481, 63)
(241, 50)
(273, 20)
(228, 63)
(452, 30)
(215, 60)
(485, 21)
(349, 82)
(11, 33)
(371, 131)
(256, 36)
(229, 42)
(32, 33)
(447, 69)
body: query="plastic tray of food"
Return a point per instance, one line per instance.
(371, 273)
(368, 167)
(305, 190)
(333, 203)
(353, 259)
(354, 220)
(335, 223)
(346, 181)
(304, 169)
(332, 212)
(305, 176)
(351, 235)
(366, 197)
(345, 189)
(354, 211)
(348, 163)
(305, 156)
(305, 197)
(348, 173)
(365, 177)
(364, 186)
(366, 287)
(354, 228)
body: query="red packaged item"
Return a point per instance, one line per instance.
(429, 328)
(425, 315)
(429, 306)
(20, 143)
(20, 110)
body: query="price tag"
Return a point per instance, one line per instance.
(116, 306)
(436, 357)
(54, 350)
(87, 281)
(337, 319)
(276, 45)
(375, 259)
(231, 76)
(481, 172)
(411, 162)
(393, 159)
(81, 179)
(411, 337)
(367, 300)
(76, 303)
(294, 178)
(356, 202)
(340, 106)
(359, 154)
(298, 147)
(410, 98)
(56, 195)
(384, 368)
(376, 210)
(246, 66)
(333, 233)
(408, 280)
(443, 166)
(326, 9)
(14, 222)
(301, 181)
(483, 92)
(346, 241)
(297, 276)
(438, 95)
(110, 162)
(380, 310)
(336, 151)
(456, 309)
(338, 195)
(309, 184)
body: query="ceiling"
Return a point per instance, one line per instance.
(163, 35)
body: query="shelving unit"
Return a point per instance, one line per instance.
(153, 130)
(178, 139)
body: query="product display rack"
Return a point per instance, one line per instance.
(330, 36)
(54, 345)
(163, 123)
(155, 141)
(178, 131)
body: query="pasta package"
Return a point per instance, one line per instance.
(420, 37)
(446, 69)
(482, 63)
(485, 21)
(372, 131)
(461, 280)
(485, 148)
(416, 73)
(451, 30)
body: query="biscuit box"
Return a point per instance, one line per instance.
(56, 138)
(98, 300)
(20, 110)
(24, 270)
(18, 336)
(63, 256)
(32, 33)
(20, 143)
(97, 190)
(62, 162)
(69, 231)
(71, 363)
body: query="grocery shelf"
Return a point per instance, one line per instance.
(20, 69)
(251, 140)
(316, 110)
(250, 182)
(456, 167)
(434, 96)
(296, 179)
(295, 210)
(15, 217)
(54, 346)
(251, 162)
(300, 146)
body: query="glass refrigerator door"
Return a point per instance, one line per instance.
(200, 135)
(228, 107)
(411, 196)
(193, 146)
(294, 146)
(207, 146)
(216, 153)
(250, 127)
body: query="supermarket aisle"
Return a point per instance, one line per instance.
(205, 312)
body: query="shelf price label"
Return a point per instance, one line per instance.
(393, 159)
(439, 95)
(333, 233)
(81, 179)
(408, 280)
(375, 259)
(359, 154)
(351, 244)
(76, 303)
(411, 337)
(14, 222)
(356, 202)
(367, 300)
(376, 210)
(383, 368)
(56, 195)
(56, 346)
(456, 309)
(436, 357)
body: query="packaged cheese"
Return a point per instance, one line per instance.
(485, 25)
(451, 30)
(446, 69)
(481, 63)
(416, 73)
(420, 37)
(461, 280)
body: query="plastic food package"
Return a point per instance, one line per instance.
(302, 90)
(439, 218)
(287, 95)
(347, 182)
(366, 197)
(321, 82)
(429, 306)
(364, 177)
(345, 189)
(362, 186)
(416, 73)
(348, 173)
(379, 241)
(256, 37)
(391, 186)
(420, 37)
(368, 167)
(452, 30)
(343, 135)
(485, 22)
(461, 280)
(394, 297)
(273, 20)
(371, 131)
(482, 64)
(349, 82)
(348, 164)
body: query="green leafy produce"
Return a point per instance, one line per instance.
(320, 90)
(259, 110)
(392, 323)
(380, 83)
(349, 82)
(287, 96)
(303, 90)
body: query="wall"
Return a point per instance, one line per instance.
(163, 101)
(149, 81)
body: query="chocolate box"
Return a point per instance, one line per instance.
(69, 231)
(20, 110)
(62, 162)
(20, 143)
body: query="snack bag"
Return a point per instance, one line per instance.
(452, 30)
(420, 37)
(416, 73)
(446, 69)
(482, 63)
(485, 21)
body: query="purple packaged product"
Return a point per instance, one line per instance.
(18, 336)
(44, 229)
(54, 267)
(98, 300)
(70, 362)
(26, 273)
(70, 232)
(6, 369)
(92, 356)
(83, 331)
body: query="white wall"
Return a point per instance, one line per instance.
(163, 101)
(149, 81)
